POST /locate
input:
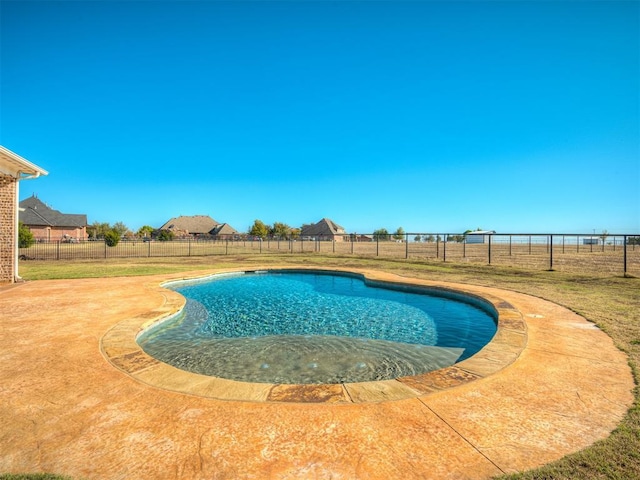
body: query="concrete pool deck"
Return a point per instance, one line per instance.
(67, 406)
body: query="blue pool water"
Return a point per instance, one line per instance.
(291, 327)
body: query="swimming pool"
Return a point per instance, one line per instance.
(297, 327)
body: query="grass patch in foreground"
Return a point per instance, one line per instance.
(611, 302)
(52, 270)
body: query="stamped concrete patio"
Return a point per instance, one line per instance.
(77, 397)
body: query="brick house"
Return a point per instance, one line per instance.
(325, 229)
(186, 226)
(13, 168)
(198, 226)
(51, 225)
(223, 231)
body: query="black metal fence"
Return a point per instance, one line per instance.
(601, 254)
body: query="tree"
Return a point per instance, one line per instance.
(259, 229)
(381, 234)
(25, 236)
(429, 238)
(145, 231)
(98, 230)
(121, 228)
(399, 234)
(166, 235)
(417, 238)
(111, 238)
(280, 230)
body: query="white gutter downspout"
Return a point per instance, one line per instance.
(16, 277)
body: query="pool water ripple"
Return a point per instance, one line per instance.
(314, 328)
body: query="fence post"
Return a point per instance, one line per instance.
(489, 249)
(551, 253)
(509, 245)
(406, 243)
(149, 248)
(105, 248)
(444, 249)
(437, 246)
(189, 246)
(58, 250)
(547, 244)
(624, 248)
(377, 245)
(226, 247)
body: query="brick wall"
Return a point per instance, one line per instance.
(7, 228)
(55, 234)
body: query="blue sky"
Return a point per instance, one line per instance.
(434, 116)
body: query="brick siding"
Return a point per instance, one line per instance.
(55, 234)
(7, 228)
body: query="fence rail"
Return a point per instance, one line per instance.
(611, 254)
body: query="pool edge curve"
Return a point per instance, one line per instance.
(119, 347)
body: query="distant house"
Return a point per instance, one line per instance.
(325, 229)
(479, 236)
(359, 237)
(591, 241)
(193, 225)
(48, 224)
(197, 226)
(223, 231)
(13, 168)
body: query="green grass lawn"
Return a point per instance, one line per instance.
(611, 302)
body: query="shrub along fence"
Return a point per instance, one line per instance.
(610, 254)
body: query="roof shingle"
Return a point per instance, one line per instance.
(37, 213)
(325, 226)
(195, 224)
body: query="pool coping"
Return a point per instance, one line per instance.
(63, 402)
(119, 347)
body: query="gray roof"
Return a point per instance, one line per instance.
(195, 224)
(325, 226)
(35, 212)
(223, 229)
